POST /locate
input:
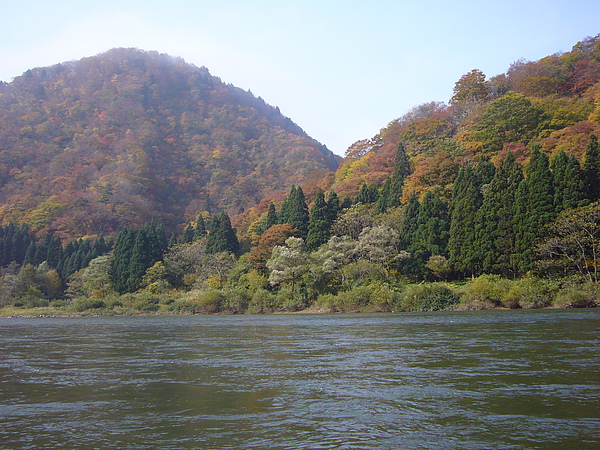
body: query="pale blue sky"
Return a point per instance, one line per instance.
(340, 69)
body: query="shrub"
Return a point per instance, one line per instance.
(235, 301)
(428, 297)
(209, 302)
(578, 296)
(529, 293)
(263, 301)
(83, 304)
(485, 292)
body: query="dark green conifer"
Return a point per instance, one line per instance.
(222, 237)
(466, 200)
(494, 221)
(433, 225)
(271, 218)
(384, 200)
(294, 211)
(333, 205)
(400, 173)
(200, 228)
(367, 194)
(319, 225)
(534, 208)
(188, 234)
(569, 186)
(591, 169)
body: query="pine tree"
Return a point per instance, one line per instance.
(333, 205)
(119, 268)
(384, 200)
(591, 169)
(466, 200)
(319, 224)
(200, 228)
(294, 211)
(188, 234)
(367, 194)
(569, 186)
(222, 237)
(400, 173)
(433, 225)
(534, 208)
(494, 222)
(271, 218)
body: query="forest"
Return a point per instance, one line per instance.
(489, 201)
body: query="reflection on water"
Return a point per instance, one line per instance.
(503, 379)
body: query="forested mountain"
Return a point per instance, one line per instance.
(129, 136)
(490, 200)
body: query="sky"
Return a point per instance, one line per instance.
(342, 70)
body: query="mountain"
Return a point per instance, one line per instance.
(553, 102)
(129, 136)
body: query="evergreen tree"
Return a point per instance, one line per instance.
(294, 211)
(569, 186)
(534, 208)
(222, 237)
(271, 218)
(433, 225)
(367, 194)
(400, 173)
(591, 169)
(200, 228)
(188, 234)
(122, 251)
(384, 200)
(409, 222)
(346, 203)
(494, 222)
(466, 200)
(319, 225)
(333, 205)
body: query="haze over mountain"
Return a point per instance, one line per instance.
(129, 136)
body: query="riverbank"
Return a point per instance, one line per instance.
(487, 292)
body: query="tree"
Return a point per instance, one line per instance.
(574, 242)
(568, 183)
(367, 194)
(96, 280)
(294, 211)
(511, 118)
(591, 169)
(271, 217)
(222, 237)
(466, 200)
(534, 209)
(471, 87)
(319, 224)
(288, 263)
(495, 219)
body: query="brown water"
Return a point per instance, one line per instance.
(502, 380)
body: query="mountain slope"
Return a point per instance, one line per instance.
(128, 136)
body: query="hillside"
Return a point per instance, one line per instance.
(127, 136)
(553, 102)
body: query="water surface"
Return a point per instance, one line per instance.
(501, 379)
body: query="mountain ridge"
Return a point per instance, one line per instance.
(129, 136)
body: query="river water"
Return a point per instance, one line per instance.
(468, 380)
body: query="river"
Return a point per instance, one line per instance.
(465, 380)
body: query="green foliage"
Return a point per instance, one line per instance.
(485, 292)
(427, 297)
(222, 237)
(294, 212)
(511, 118)
(319, 225)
